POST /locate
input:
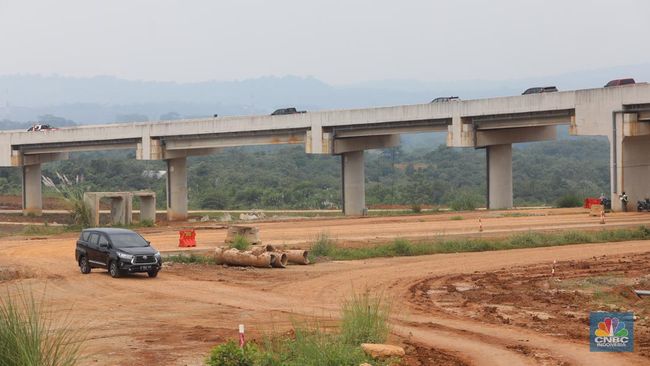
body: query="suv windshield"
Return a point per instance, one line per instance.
(128, 240)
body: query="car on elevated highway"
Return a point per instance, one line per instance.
(444, 99)
(540, 89)
(283, 111)
(41, 127)
(620, 82)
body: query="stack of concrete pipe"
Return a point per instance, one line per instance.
(260, 256)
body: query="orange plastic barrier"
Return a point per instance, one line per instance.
(591, 201)
(187, 238)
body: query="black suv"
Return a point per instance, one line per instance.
(118, 250)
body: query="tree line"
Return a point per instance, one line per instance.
(287, 178)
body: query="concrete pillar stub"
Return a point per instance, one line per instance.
(148, 208)
(353, 176)
(32, 192)
(634, 171)
(177, 189)
(499, 176)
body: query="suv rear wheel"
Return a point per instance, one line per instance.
(114, 270)
(84, 266)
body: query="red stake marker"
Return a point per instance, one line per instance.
(241, 336)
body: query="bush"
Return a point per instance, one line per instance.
(569, 200)
(230, 354)
(402, 247)
(464, 200)
(416, 208)
(147, 223)
(28, 338)
(240, 243)
(322, 247)
(364, 319)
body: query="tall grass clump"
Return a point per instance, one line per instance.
(73, 193)
(28, 338)
(402, 247)
(365, 319)
(569, 200)
(191, 259)
(240, 243)
(322, 247)
(464, 200)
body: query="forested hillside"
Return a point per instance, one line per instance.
(286, 177)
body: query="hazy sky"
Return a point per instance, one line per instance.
(337, 41)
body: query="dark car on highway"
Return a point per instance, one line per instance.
(620, 82)
(283, 111)
(41, 127)
(540, 89)
(118, 250)
(444, 99)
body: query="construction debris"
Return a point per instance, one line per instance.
(381, 351)
(250, 233)
(238, 258)
(297, 256)
(262, 256)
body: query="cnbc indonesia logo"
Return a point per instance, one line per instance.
(609, 332)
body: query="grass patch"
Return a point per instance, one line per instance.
(569, 200)
(240, 243)
(364, 319)
(190, 259)
(402, 247)
(323, 247)
(27, 337)
(456, 218)
(33, 230)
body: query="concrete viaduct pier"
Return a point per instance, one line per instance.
(494, 124)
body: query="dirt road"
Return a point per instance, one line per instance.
(175, 318)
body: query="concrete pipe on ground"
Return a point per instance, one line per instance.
(298, 256)
(236, 258)
(279, 259)
(259, 249)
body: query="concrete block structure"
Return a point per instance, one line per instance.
(120, 207)
(121, 204)
(494, 124)
(147, 205)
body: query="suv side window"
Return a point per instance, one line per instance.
(85, 235)
(94, 239)
(103, 240)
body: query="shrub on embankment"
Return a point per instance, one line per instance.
(402, 247)
(364, 318)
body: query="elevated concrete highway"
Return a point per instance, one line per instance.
(620, 113)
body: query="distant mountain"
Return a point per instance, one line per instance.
(106, 99)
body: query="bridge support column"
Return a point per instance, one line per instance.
(177, 189)
(499, 176)
(634, 171)
(354, 190)
(32, 193)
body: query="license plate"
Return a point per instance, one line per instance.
(145, 268)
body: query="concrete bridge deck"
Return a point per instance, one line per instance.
(620, 113)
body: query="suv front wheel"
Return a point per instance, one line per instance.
(114, 270)
(84, 266)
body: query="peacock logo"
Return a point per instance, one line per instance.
(611, 327)
(611, 332)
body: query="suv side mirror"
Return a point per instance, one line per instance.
(103, 245)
